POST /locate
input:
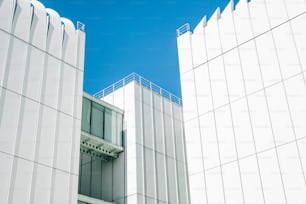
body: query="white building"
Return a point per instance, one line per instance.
(244, 96)
(244, 92)
(154, 145)
(41, 78)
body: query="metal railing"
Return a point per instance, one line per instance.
(183, 29)
(80, 26)
(142, 81)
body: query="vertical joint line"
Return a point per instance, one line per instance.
(249, 113)
(198, 116)
(231, 113)
(215, 123)
(267, 105)
(175, 153)
(284, 86)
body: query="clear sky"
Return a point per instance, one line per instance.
(124, 36)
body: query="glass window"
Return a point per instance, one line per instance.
(119, 129)
(97, 120)
(114, 134)
(102, 122)
(108, 125)
(85, 174)
(86, 115)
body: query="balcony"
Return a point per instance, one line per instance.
(102, 125)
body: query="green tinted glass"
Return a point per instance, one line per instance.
(86, 115)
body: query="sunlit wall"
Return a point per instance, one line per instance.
(154, 156)
(41, 78)
(244, 103)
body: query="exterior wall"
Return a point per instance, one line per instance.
(154, 161)
(244, 95)
(41, 77)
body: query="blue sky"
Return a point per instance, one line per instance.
(124, 36)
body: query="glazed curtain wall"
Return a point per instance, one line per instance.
(244, 95)
(102, 122)
(41, 78)
(97, 178)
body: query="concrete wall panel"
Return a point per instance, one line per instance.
(292, 175)
(41, 186)
(4, 46)
(6, 172)
(227, 28)
(251, 180)
(243, 129)
(234, 77)
(67, 92)
(209, 142)
(20, 187)
(286, 51)
(189, 92)
(277, 12)
(226, 135)
(35, 70)
(242, 22)
(214, 186)
(26, 139)
(22, 20)
(294, 8)
(258, 16)
(46, 134)
(260, 121)
(14, 76)
(38, 35)
(296, 93)
(9, 121)
(280, 115)
(203, 89)
(197, 193)
(7, 13)
(217, 82)
(162, 177)
(199, 55)
(185, 54)
(271, 177)
(193, 142)
(212, 42)
(268, 62)
(250, 68)
(299, 32)
(232, 183)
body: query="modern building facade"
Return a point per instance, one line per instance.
(154, 145)
(244, 95)
(240, 137)
(41, 79)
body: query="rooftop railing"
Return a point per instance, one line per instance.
(80, 26)
(183, 29)
(142, 81)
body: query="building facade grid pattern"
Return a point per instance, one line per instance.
(41, 77)
(250, 87)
